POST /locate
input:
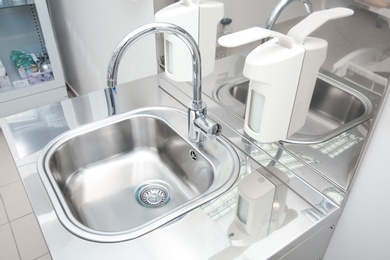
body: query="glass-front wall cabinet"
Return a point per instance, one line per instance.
(30, 69)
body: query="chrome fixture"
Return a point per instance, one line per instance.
(280, 7)
(197, 121)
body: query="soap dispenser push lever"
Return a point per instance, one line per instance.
(282, 74)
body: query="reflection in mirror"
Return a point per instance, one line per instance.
(357, 45)
(357, 56)
(357, 53)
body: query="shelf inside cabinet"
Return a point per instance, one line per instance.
(19, 31)
(14, 3)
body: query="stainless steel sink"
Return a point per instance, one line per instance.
(120, 178)
(336, 107)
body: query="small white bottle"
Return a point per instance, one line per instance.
(224, 28)
(3, 73)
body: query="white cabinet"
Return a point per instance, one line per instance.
(25, 27)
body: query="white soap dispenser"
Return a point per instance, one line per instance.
(199, 18)
(282, 74)
(255, 199)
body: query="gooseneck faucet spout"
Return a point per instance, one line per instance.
(198, 125)
(280, 7)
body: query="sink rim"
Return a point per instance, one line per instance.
(65, 215)
(297, 138)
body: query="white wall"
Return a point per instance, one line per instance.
(249, 13)
(87, 32)
(363, 231)
(254, 13)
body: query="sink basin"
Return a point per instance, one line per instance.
(122, 177)
(336, 107)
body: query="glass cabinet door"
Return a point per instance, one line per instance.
(29, 61)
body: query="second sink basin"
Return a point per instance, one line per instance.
(335, 107)
(120, 178)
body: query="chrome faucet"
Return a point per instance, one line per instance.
(269, 24)
(198, 124)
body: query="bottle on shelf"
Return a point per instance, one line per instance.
(224, 28)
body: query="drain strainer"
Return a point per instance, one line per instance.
(153, 195)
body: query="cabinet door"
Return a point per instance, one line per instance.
(25, 29)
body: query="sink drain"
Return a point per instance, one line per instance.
(153, 195)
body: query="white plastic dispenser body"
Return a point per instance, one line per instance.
(282, 74)
(274, 73)
(200, 19)
(255, 200)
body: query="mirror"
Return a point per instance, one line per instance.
(356, 57)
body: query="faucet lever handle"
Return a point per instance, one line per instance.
(207, 127)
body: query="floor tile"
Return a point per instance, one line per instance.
(15, 200)
(334, 39)
(8, 249)
(28, 237)
(373, 41)
(45, 257)
(8, 173)
(3, 145)
(336, 53)
(3, 214)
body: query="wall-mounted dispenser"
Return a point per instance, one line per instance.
(254, 208)
(200, 18)
(261, 206)
(282, 74)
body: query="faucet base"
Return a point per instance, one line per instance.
(199, 126)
